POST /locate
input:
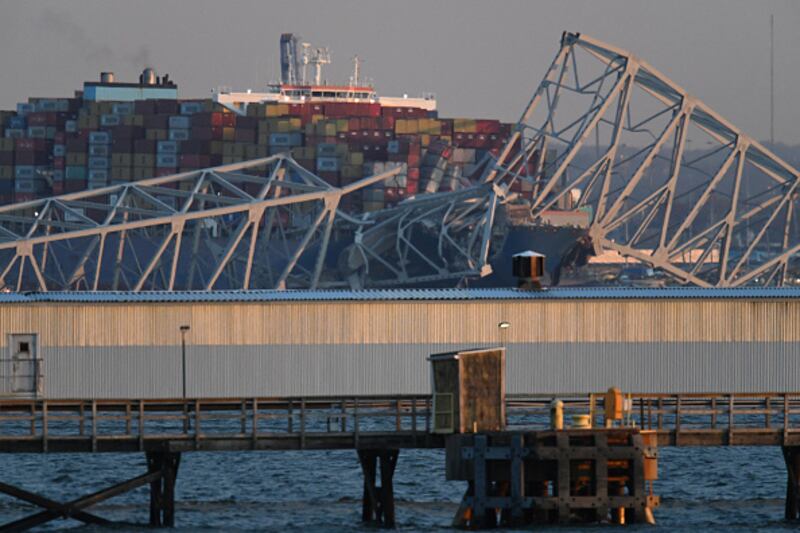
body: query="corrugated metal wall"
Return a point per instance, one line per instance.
(379, 347)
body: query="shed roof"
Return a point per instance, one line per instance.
(556, 293)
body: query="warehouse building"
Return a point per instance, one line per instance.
(331, 343)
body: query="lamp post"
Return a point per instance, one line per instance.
(187, 425)
(503, 326)
(184, 329)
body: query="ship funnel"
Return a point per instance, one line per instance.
(528, 268)
(106, 77)
(148, 77)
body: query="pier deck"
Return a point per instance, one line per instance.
(52, 426)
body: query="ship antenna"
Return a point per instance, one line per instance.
(356, 68)
(306, 55)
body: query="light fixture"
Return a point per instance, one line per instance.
(504, 325)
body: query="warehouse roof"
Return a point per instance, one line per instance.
(556, 293)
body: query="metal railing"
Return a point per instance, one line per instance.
(197, 420)
(686, 418)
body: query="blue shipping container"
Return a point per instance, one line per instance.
(99, 137)
(167, 147)
(166, 160)
(98, 150)
(327, 164)
(179, 121)
(24, 172)
(98, 174)
(72, 173)
(98, 162)
(178, 135)
(286, 139)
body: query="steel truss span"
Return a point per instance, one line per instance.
(265, 223)
(670, 182)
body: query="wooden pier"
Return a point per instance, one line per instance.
(379, 428)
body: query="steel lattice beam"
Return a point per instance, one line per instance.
(608, 127)
(237, 226)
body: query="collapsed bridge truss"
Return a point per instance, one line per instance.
(669, 183)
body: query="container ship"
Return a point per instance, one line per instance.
(113, 132)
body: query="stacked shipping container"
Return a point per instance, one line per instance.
(52, 146)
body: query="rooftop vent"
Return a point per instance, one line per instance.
(528, 268)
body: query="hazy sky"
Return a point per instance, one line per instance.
(482, 59)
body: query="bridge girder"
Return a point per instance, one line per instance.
(670, 182)
(265, 223)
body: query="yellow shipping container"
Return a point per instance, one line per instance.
(121, 160)
(238, 149)
(144, 160)
(6, 144)
(356, 158)
(412, 126)
(228, 134)
(216, 147)
(329, 130)
(424, 140)
(341, 125)
(352, 171)
(140, 173)
(157, 135)
(255, 110)
(121, 173)
(277, 110)
(227, 149)
(317, 118)
(88, 122)
(295, 124)
(76, 159)
(464, 125)
(253, 151)
(283, 126)
(372, 206)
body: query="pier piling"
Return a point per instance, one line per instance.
(378, 501)
(791, 455)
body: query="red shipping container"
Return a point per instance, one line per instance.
(413, 160)
(31, 144)
(195, 161)
(296, 110)
(413, 173)
(58, 163)
(76, 144)
(59, 137)
(127, 132)
(74, 185)
(195, 146)
(158, 122)
(207, 119)
(412, 187)
(245, 135)
(24, 196)
(121, 146)
(145, 107)
(162, 171)
(207, 133)
(58, 187)
(247, 122)
(167, 107)
(144, 146)
(229, 120)
(355, 124)
(31, 157)
(487, 126)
